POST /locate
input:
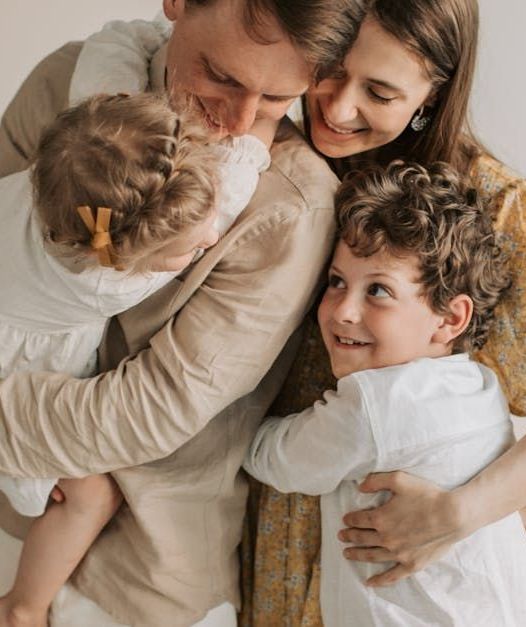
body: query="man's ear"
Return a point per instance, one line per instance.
(173, 9)
(454, 323)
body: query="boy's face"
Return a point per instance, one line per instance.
(372, 315)
(232, 79)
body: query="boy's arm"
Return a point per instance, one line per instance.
(313, 451)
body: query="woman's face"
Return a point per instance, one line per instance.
(371, 101)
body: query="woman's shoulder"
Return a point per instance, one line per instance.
(494, 179)
(505, 193)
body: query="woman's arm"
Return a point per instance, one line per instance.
(421, 522)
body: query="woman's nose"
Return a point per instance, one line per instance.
(342, 105)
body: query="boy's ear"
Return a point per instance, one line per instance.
(455, 322)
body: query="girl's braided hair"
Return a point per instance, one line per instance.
(149, 164)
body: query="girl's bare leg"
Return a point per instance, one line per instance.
(55, 544)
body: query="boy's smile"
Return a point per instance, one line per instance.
(373, 315)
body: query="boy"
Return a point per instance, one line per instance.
(413, 284)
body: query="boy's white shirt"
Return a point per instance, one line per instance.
(442, 419)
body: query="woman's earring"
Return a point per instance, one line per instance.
(419, 120)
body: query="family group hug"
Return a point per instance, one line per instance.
(262, 326)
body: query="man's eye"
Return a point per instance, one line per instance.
(378, 291)
(213, 76)
(336, 281)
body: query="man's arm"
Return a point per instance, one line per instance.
(216, 350)
(42, 95)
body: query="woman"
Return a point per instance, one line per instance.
(402, 91)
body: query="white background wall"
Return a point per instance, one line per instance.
(29, 30)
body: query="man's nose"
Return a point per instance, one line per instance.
(242, 114)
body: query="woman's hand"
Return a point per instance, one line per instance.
(414, 528)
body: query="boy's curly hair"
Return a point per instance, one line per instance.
(433, 214)
(150, 165)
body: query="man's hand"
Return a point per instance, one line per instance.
(414, 528)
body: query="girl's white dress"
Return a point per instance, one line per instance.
(53, 311)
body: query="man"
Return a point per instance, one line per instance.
(200, 388)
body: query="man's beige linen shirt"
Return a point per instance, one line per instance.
(188, 402)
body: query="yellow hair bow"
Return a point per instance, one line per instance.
(99, 228)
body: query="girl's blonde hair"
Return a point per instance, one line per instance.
(133, 154)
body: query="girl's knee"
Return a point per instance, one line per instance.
(93, 492)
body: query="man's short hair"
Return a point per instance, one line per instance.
(324, 30)
(406, 209)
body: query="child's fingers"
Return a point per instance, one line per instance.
(57, 495)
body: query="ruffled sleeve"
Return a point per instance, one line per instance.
(117, 58)
(241, 161)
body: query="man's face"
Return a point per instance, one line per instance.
(233, 79)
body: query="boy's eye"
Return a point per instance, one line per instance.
(336, 281)
(378, 291)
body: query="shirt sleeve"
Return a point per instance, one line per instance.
(241, 161)
(117, 58)
(313, 451)
(41, 96)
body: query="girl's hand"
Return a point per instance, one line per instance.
(57, 495)
(414, 528)
(265, 130)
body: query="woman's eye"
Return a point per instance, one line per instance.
(381, 99)
(378, 291)
(336, 281)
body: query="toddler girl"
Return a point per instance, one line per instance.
(123, 194)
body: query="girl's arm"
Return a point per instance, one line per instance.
(117, 58)
(421, 522)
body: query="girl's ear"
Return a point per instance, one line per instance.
(173, 9)
(455, 322)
